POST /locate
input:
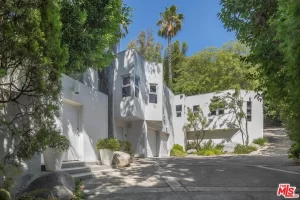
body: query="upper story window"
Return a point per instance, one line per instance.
(178, 110)
(213, 112)
(195, 108)
(220, 111)
(126, 89)
(249, 110)
(153, 93)
(137, 86)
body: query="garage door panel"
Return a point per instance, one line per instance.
(164, 150)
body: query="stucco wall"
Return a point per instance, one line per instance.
(93, 115)
(136, 135)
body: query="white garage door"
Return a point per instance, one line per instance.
(164, 144)
(151, 146)
(70, 120)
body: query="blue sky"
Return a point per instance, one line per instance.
(201, 26)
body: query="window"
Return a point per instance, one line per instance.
(213, 112)
(249, 111)
(220, 111)
(126, 89)
(153, 93)
(195, 108)
(178, 110)
(137, 86)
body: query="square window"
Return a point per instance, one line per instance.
(178, 108)
(126, 80)
(213, 112)
(126, 91)
(178, 114)
(221, 112)
(249, 118)
(152, 98)
(153, 88)
(195, 108)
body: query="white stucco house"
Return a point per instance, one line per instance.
(145, 112)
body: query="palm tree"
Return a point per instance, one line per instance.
(170, 24)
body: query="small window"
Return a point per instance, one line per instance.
(178, 114)
(153, 93)
(137, 86)
(249, 110)
(126, 89)
(221, 112)
(196, 108)
(213, 112)
(178, 110)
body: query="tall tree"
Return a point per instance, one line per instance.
(271, 29)
(177, 58)
(215, 69)
(170, 24)
(147, 47)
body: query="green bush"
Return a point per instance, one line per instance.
(294, 151)
(208, 145)
(4, 195)
(192, 145)
(125, 146)
(177, 150)
(243, 149)
(108, 143)
(210, 152)
(78, 192)
(59, 142)
(260, 141)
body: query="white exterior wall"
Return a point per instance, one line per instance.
(92, 118)
(179, 122)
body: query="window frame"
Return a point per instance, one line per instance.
(249, 111)
(153, 93)
(178, 112)
(136, 86)
(127, 85)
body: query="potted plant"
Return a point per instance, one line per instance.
(107, 147)
(54, 153)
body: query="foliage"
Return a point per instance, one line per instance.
(294, 151)
(208, 148)
(177, 150)
(78, 192)
(170, 24)
(191, 145)
(108, 143)
(33, 195)
(31, 61)
(233, 103)
(146, 46)
(178, 55)
(125, 146)
(216, 69)
(4, 195)
(90, 28)
(271, 30)
(244, 149)
(260, 141)
(196, 122)
(60, 142)
(8, 172)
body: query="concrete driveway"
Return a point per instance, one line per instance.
(221, 177)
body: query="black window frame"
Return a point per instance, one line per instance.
(249, 111)
(136, 86)
(126, 88)
(153, 95)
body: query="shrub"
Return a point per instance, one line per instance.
(108, 143)
(59, 142)
(244, 149)
(192, 145)
(207, 145)
(125, 146)
(78, 192)
(260, 141)
(294, 151)
(4, 195)
(210, 152)
(177, 150)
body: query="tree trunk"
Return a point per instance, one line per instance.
(170, 62)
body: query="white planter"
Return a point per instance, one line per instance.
(53, 159)
(106, 156)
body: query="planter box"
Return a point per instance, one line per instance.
(106, 156)
(53, 159)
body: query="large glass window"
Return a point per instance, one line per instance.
(153, 93)
(126, 89)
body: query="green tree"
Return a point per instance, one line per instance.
(147, 47)
(215, 69)
(90, 29)
(271, 30)
(178, 56)
(170, 24)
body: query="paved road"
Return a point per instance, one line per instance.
(223, 177)
(233, 177)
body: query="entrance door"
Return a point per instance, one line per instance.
(70, 120)
(151, 146)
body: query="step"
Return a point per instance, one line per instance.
(70, 164)
(91, 168)
(91, 175)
